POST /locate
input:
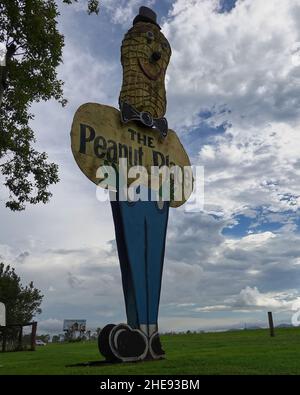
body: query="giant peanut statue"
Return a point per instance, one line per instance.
(102, 135)
(145, 55)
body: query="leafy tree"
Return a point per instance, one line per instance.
(28, 62)
(92, 6)
(22, 303)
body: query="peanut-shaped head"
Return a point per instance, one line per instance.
(145, 55)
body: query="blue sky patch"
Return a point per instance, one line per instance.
(203, 134)
(262, 222)
(226, 6)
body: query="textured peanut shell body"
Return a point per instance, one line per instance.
(143, 80)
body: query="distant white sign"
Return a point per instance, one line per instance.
(2, 314)
(75, 325)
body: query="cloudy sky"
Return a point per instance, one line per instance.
(234, 99)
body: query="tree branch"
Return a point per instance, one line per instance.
(3, 164)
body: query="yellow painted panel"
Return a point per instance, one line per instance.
(99, 138)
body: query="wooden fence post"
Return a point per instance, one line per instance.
(4, 340)
(271, 324)
(33, 335)
(20, 339)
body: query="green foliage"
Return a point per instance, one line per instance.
(28, 29)
(55, 339)
(92, 5)
(22, 303)
(44, 338)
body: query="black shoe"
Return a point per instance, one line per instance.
(127, 344)
(103, 343)
(155, 348)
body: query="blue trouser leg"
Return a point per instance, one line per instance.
(140, 234)
(156, 238)
(128, 286)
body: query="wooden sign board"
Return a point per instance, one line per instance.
(98, 137)
(2, 314)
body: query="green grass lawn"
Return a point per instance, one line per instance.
(244, 352)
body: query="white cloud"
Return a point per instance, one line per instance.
(210, 273)
(240, 66)
(243, 62)
(208, 309)
(252, 297)
(248, 168)
(249, 242)
(123, 11)
(204, 273)
(88, 78)
(51, 325)
(242, 59)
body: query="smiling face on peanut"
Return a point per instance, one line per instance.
(145, 55)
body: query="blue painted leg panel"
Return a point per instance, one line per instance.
(141, 233)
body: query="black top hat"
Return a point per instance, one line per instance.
(146, 15)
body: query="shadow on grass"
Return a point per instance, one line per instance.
(108, 363)
(93, 363)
